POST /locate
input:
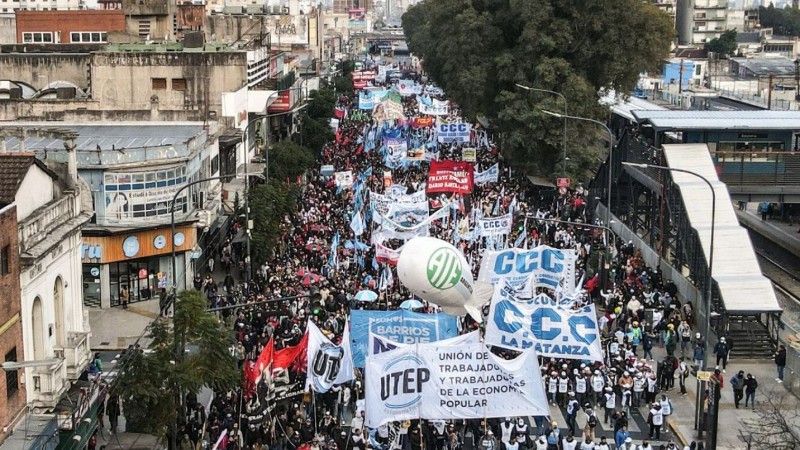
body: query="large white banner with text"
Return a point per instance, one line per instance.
(552, 329)
(431, 381)
(542, 266)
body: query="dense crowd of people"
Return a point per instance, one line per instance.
(316, 278)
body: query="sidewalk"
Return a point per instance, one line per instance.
(115, 328)
(776, 230)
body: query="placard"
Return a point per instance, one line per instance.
(495, 226)
(543, 266)
(453, 132)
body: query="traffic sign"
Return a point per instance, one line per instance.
(562, 182)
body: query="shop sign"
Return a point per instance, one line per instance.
(89, 252)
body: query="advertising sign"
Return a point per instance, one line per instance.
(357, 16)
(553, 330)
(400, 326)
(543, 266)
(450, 176)
(430, 381)
(142, 196)
(453, 132)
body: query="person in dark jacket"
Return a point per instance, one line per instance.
(750, 385)
(780, 362)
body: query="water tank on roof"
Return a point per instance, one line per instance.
(193, 39)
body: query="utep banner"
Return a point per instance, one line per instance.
(400, 326)
(450, 176)
(495, 226)
(453, 132)
(327, 363)
(432, 381)
(489, 175)
(541, 323)
(542, 266)
(379, 344)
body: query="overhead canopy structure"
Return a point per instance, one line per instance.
(744, 290)
(719, 120)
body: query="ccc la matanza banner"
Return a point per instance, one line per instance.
(432, 381)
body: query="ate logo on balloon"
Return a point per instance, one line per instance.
(444, 269)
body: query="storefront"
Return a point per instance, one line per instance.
(138, 264)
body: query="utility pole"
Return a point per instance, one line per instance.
(769, 93)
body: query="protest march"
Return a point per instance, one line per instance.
(500, 323)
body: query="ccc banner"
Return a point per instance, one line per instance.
(541, 323)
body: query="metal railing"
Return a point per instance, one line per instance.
(758, 168)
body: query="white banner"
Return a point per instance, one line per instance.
(435, 108)
(379, 344)
(495, 226)
(386, 255)
(381, 203)
(408, 87)
(431, 381)
(328, 364)
(344, 179)
(554, 330)
(391, 230)
(542, 266)
(489, 175)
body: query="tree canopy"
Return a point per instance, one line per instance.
(477, 50)
(150, 381)
(725, 45)
(785, 22)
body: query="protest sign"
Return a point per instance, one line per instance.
(450, 176)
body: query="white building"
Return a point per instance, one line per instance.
(52, 207)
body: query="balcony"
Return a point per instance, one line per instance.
(49, 384)
(76, 353)
(37, 226)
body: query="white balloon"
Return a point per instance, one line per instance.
(436, 271)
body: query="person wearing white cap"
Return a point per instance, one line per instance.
(610, 403)
(721, 350)
(598, 382)
(506, 430)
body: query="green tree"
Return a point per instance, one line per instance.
(785, 22)
(321, 104)
(150, 382)
(316, 133)
(288, 159)
(269, 204)
(725, 45)
(477, 50)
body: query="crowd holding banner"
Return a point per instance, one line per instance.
(309, 383)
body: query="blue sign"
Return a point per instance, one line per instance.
(453, 132)
(130, 246)
(400, 326)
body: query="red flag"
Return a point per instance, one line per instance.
(286, 357)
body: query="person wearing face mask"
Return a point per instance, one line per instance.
(521, 432)
(603, 444)
(506, 430)
(645, 446)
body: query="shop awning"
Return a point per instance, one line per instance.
(540, 181)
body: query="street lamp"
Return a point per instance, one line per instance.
(530, 89)
(610, 152)
(10, 366)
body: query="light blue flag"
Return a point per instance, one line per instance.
(357, 224)
(520, 239)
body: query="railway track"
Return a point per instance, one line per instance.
(792, 288)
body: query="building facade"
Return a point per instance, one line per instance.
(50, 214)
(12, 383)
(132, 172)
(68, 27)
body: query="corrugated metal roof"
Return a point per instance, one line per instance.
(742, 286)
(118, 136)
(720, 120)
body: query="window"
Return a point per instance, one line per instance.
(178, 84)
(12, 377)
(37, 37)
(159, 83)
(5, 267)
(91, 36)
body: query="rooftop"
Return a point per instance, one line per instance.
(719, 120)
(115, 143)
(14, 167)
(767, 66)
(170, 47)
